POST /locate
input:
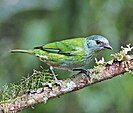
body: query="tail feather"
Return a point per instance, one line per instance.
(22, 51)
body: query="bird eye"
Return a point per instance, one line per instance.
(98, 42)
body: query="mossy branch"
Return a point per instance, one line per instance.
(47, 89)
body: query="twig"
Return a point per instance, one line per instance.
(74, 83)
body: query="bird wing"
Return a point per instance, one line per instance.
(66, 47)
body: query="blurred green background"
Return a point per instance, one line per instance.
(28, 23)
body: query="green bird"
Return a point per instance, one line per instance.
(71, 54)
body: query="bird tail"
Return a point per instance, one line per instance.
(22, 51)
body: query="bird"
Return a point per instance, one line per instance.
(70, 54)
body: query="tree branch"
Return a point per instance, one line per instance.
(99, 73)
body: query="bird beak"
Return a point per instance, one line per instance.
(107, 46)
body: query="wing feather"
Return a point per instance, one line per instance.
(65, 47)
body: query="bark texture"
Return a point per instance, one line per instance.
(76, 82)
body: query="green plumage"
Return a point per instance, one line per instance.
(71, 53)
(68, 54)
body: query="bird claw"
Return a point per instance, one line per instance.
(58, 82)
(86, 72)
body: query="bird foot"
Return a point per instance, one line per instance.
(55, 78)
(58, 82)
(86, 72)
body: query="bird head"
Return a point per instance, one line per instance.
(97, 43)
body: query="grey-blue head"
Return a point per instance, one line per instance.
(97, 43)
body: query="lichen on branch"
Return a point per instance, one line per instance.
(40, 86)
(37, 80)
